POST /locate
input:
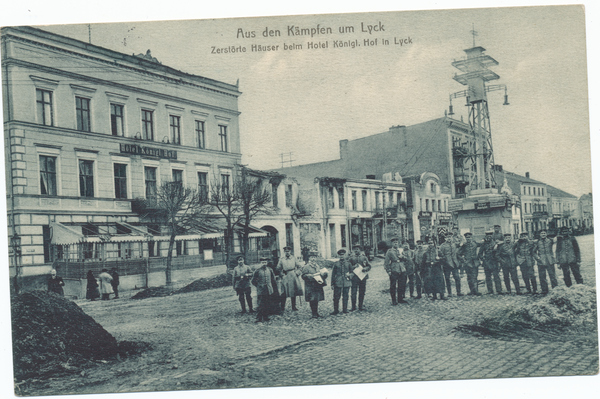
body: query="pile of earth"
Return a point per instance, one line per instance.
(202, 284)
(571, 309)
(52, 335)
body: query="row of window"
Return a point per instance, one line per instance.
(536, 190)
(45, 116)
(379, 198)
(48, 179)
(529, 207)
(434, 205)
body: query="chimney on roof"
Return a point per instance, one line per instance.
(344, 149)
(371, 177)
(527, 175)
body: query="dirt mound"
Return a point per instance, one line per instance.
(222, 280)
(572, 309)
(52, 335)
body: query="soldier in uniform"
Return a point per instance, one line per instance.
(314, 281)
(241, 283)
(434, 282)
(524, 254)
(419, 275)
(410, 269)
(542, 252)
(497, 235)
(264, 280)
(450, 266)
(395, 266)
(457, 241)
(289, 269)
(341, 282)
(358, 286)
(468, 254)
(490, 264)
(505, 253)
(568, 256)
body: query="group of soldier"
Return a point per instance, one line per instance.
(427, 268)
(430, 268)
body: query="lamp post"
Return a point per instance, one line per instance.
(15, 242)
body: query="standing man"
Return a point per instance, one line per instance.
(289, 269)
(264, 281)
(395, 267)
(419, 271)
(497, 236)
(314, 281)
(542, 252)
(457, 241)
(450, 266)
(341, 276)
(56, 283)
(505, 253)
(105, 284)
(305, 252)
(490, 264)
(356, 260)
(115, 281)
(410, 268)
(524, 253)
(434, 282)
(241, 283)
(468, 254)
(569, 257)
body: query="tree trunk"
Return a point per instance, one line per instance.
(168, 270)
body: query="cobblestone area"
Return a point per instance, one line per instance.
(201, 341)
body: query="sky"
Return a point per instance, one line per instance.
(306, 101)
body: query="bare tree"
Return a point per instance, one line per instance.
(240, 203)
(179, 209)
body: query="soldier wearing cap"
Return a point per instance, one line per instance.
(241, 283)
(289, 268)
(524, 253)
(450, 265)
(568, 256)
(434, 275)
(358, 286)
(264, 280)
(497, 235)
(468, 253)
(419, 274)
(395, 266)
(544, 256)
(341, 282)
(314, 281)
(505, 253)
(457, 241)
(410, 269)
(490, 264)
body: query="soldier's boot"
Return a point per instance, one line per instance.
(243, 305)
(458, 293)
(345, 307)
(294, 308)
(393, 295)
(336, 308)
(250, 305)
(534, 285)
(527, 285)
(353, 303)
(360, 304)
(449, 290)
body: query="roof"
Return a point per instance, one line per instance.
(514, 182)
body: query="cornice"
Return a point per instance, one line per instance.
(116, 64)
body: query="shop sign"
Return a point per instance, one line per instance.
(149, 151)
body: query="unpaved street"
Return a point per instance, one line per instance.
(200, 341)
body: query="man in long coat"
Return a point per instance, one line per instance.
(505, 253)
(434, 282)
(450, 265)
(468, 254)
(544, 256)
(314, 281)
(356, 260)
(264, 281)
(289, 269)
(395, 266)
(490, 264)
(524, 253)
(568, 256)
(419, 271)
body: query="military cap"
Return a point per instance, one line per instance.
(240, 257)
(419, 242)
(565, 228)
(264, 259)
(341, 252)
(287, 248)
(310, 254)
(357, 247)
(468, 234)
(507, 235)
(496, 225)
(523, 234)
(489, 233)
(394, 239)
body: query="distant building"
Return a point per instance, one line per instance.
(586, 204)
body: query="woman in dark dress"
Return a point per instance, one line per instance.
(434, 282)
(92, 291)
(56, 283)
